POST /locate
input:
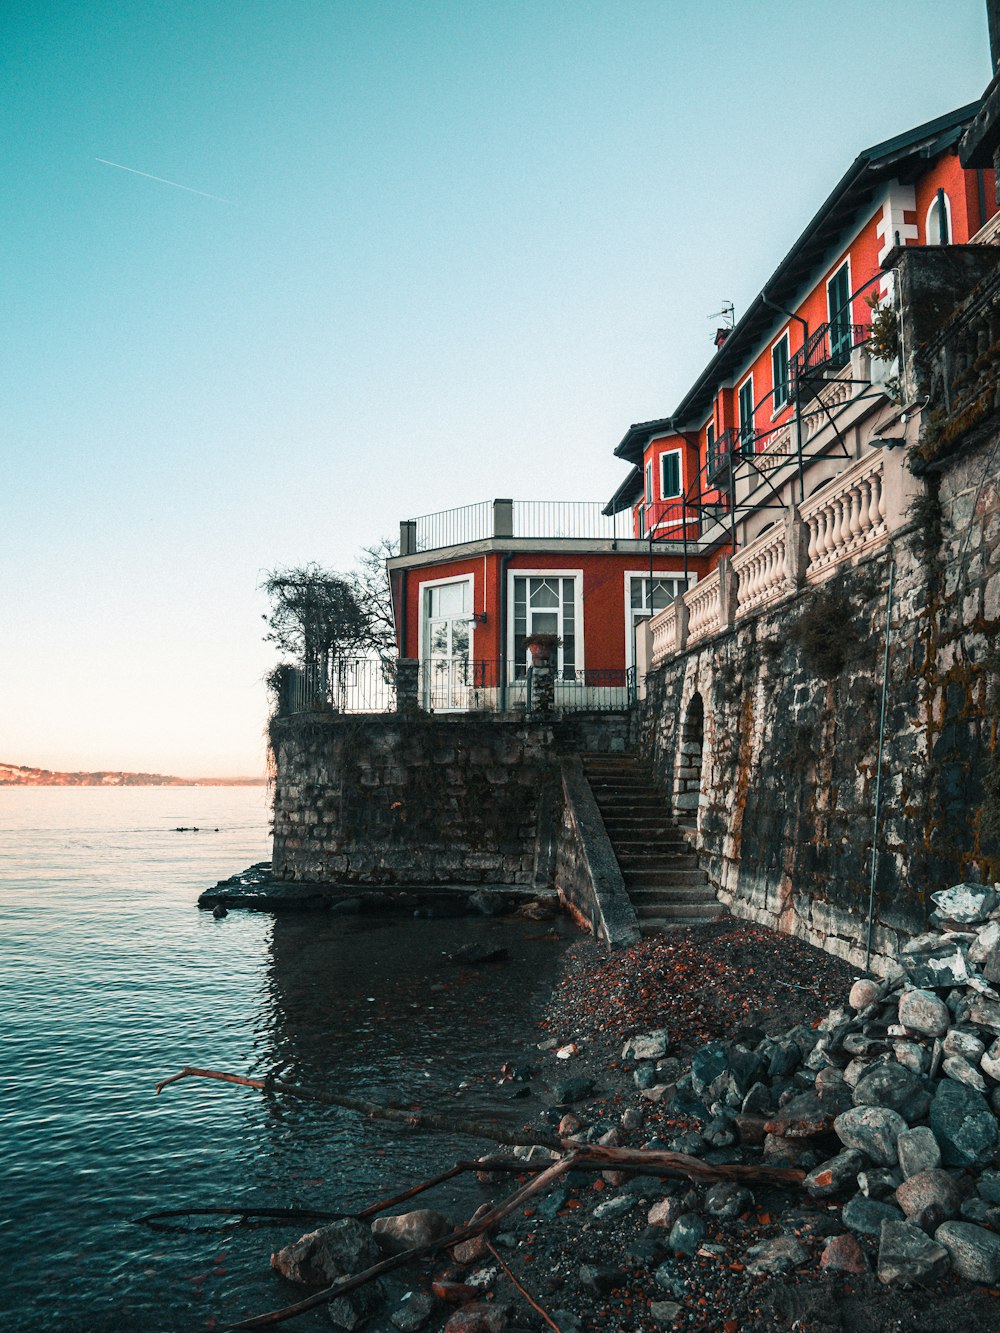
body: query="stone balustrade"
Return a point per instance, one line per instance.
(762, 572)
(704, 608)
(851, 516)
(846, 516)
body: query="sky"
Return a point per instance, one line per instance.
(428, 253)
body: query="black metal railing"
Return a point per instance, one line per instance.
(717, 460)
(829, 348)
(348, 685)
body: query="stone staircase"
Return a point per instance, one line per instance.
(660, 871)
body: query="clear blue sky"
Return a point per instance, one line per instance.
(464, 246)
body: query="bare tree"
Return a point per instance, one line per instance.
(314, 616)
(369, 585)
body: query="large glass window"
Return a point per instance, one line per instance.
(545, 604)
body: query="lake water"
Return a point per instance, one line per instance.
(112, 979)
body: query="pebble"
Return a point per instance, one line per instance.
(908, 1257)
(922, 1011)
(975, 1252)
(776, 1256)
(843, 1254)
(918, 1151)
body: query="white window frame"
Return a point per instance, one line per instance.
(777, 407)
(667, 453)
(577, 576)
(649, 481)
(631, 574)
(947, 217)
(422, 605)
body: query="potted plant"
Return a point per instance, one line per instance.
(542, 648)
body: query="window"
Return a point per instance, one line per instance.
(649, 483)
(779, 372)
(545, 604)
(937, 229)
(746, 417)
(670, 475)
(838, 304)
(647, 596)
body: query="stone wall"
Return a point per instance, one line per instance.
(778, 721)
(415, 798)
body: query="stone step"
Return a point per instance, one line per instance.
(663, 925)
(653, 879)
(655, 858)
(655, 902)
(672, 911)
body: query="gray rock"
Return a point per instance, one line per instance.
(351, 1311)
(404, 1231)
(664, 1313)
(918, 1151)
(911, 1055)
(982, 1213)
(690, 1143)
(958, 1068)
(785, 1058)
(708, 1064)
(776, 1256)
(648, 1046)
(986, 945)
(600, 1278)
(965, 1042)
(863, 993)
(989, 1185)
(989, 1061)
(727, 1200)
(975, 1252)
(757, 1099)
(670, 1277)
(835, 1174)
(879, 1182)
(921, 1011)
(908, 1257)
(873, 1130)
(645, 1076)
(963, 1125)
(414, 1310)
(867, 1215)
(320, 1257)
(665, 1212)
(895, 1087)
(928, 1199)
(985, 1013)
(686, 1234)
(574, 1090)
(611, 1209)
(968, 904)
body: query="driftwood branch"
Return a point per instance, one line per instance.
(523, 1290)
(485, 1222)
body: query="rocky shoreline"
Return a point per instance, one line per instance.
(735, 1045)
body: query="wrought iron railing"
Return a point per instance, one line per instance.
(453, 527)
(449, 685)
(829, 348)
(717, 461)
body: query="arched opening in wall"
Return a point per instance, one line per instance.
(687, 784)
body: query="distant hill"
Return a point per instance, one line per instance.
(17, 775)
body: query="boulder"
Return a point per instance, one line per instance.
(776, 1256)
(893, 1086)
(918, 1151)
(686, 1234)
(863, 993)
(921, 1011)
(867, 1216)
(835, 1174)
(958, 1068)
(727, 1201)
(975, 1252)
(413, 1311)
(967, 904)
(963, 1125)
(649, 1046)
(965, 1042)
(989, 1185)
(909, 1257)
(873, 1130)
(928, 1199)
(843, 1254)
(322, 1256)
(405, 1231)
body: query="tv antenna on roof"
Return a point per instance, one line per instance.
(727, 313)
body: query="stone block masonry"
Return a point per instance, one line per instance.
(413, 798)
(766, 735)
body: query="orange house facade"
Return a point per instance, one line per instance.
(796, 411)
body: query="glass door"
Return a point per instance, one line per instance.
(447, 666)
(838, 304)
(646, 597)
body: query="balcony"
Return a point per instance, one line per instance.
(556, 520)
(827, 352)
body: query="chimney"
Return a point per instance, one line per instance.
(721, 335)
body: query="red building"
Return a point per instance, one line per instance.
(795, 399)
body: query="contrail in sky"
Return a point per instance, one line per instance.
(164, 181)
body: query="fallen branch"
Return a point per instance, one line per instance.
(523, 1290)
(484, 1223)
(414, 1119)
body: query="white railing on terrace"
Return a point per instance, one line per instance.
(849, 518)
(762, 571)
(547, 519)
(704, 608)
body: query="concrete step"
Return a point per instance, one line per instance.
(653, 879)
(672, 911)
(654, 858)
(663, 925)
